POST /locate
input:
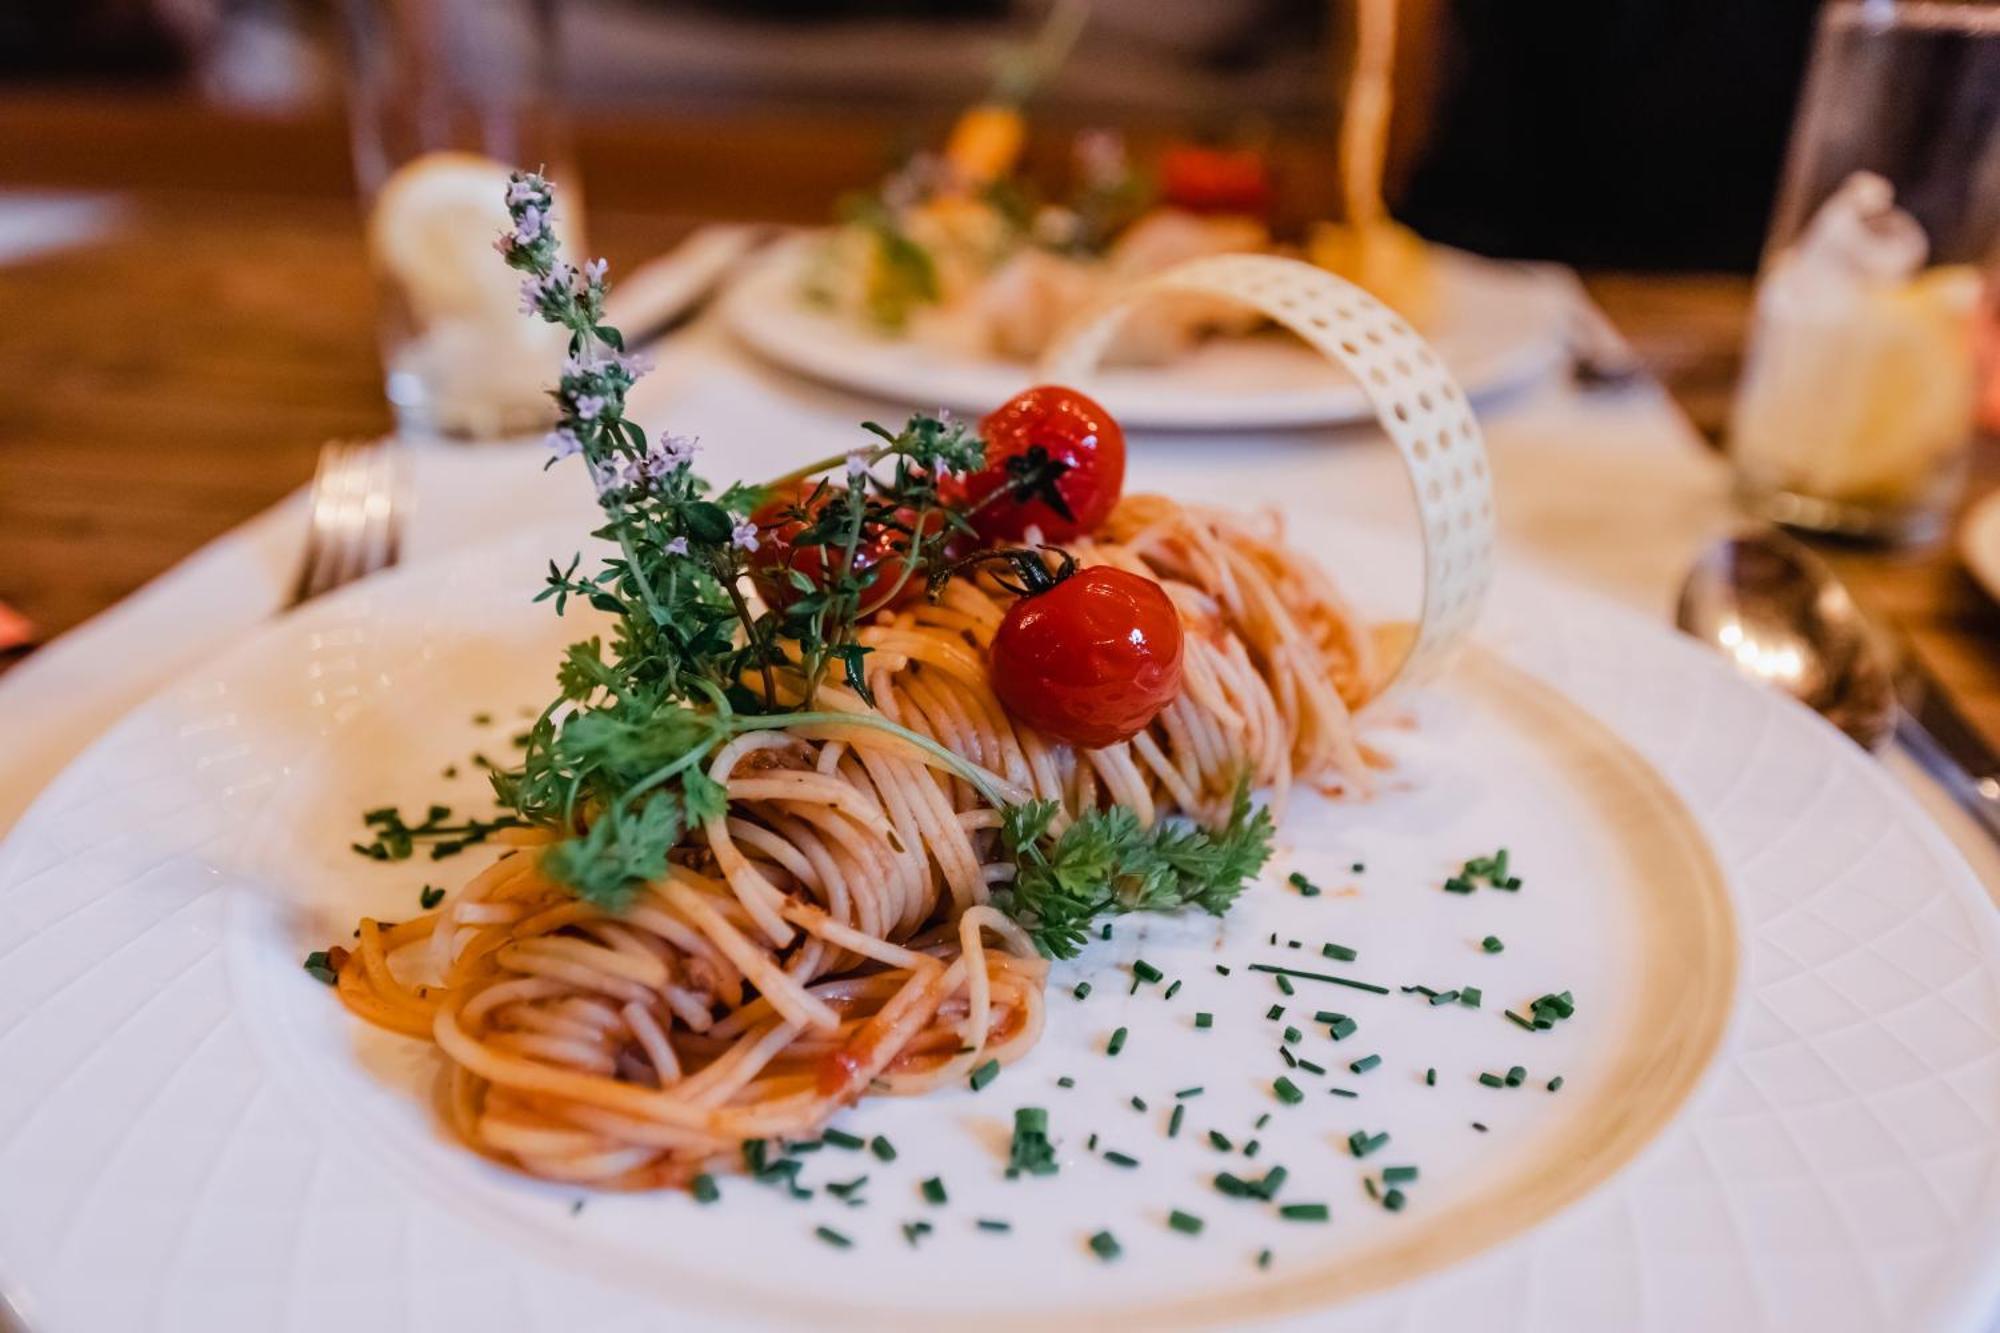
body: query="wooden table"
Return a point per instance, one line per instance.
(171, 380)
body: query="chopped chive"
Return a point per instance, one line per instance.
(840, 1138)
(1493, 1080)
(1145, 971)
(1250, 1148)
(1393, 1201)
(1185, 1223)
(1065, 1082)
(1121, 1159)
(993, 1224)
(1263, 1258)
(1398, 1175)
(1262, 1121)
(1340, 953)
(1516, 1075)
(832, 1237)
(1291, 1061)
(1424, 991)
(1273, 968)
(1458, 884)
(1273, 1181)
(842, 1189)
(1361, 1142)
(1294, 1036)
(1364, 1064)
(882, 1148)
(1343, 1092)
(1470, 997)
(1275, 1012)
(1511, 883)
(1105, 933)
(934, 1190)
(1030, 1150)
(705, 1189)
(913, 1231)
(1328, 1016)
(1234, 1186)
(1284, 983)
(1219, 1140)
(1105, 1246)
(1310, 1067)
(1138, 1103)
(1288, 1091)
(1174, 1120)
(1368, 1184)
(1174, 989)
(1555, 1084)
(1492, 944)
(1303, 1212)
(985, 1074)
(1221, 971)
(1481, 1128)
(430, 897)
(1306, 888)
(1082, 990)
(1116, 1044)
(1189, 1092)
(1431, 1077)
(1517, 1020)
(1444, 997)
(1204, 1019)
(1343, 1029)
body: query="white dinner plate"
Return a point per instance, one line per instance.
(1979, 543)
(1781, 1105)
(1498, 326)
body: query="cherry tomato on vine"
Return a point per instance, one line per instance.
(881, 553)
(1030, 432)
(1215, 180)
(1088, 656)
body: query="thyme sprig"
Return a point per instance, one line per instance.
(616, 763)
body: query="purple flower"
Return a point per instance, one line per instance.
(529, 225)
(857, 466)
(678, 546)
(605, 477)
(588, 405)
(526, 188)
(563, 443)
(676, 449)
(538, 293)
(594, 271)
(744, 536)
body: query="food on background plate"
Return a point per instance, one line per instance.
(955, 249)
(768, 855)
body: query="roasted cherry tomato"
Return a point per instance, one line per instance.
(1215, 180)
(1089, 658)
(880, 554)
(1054, 424)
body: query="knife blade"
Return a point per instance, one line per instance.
(1947, 746)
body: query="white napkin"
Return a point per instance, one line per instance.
(1612, 488)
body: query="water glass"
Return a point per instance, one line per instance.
(445, 97)
(1855, 413)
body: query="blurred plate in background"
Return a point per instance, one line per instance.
(1498, 326)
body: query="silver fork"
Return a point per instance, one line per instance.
(354, 526)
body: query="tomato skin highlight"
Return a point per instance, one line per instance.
(880, 550)
(1092, 660)
(1072, 430)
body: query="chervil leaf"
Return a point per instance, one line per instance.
(1105, 863)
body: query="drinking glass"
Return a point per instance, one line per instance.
(445, 97)
(1855, 413)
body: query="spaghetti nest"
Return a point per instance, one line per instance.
(833, 931)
